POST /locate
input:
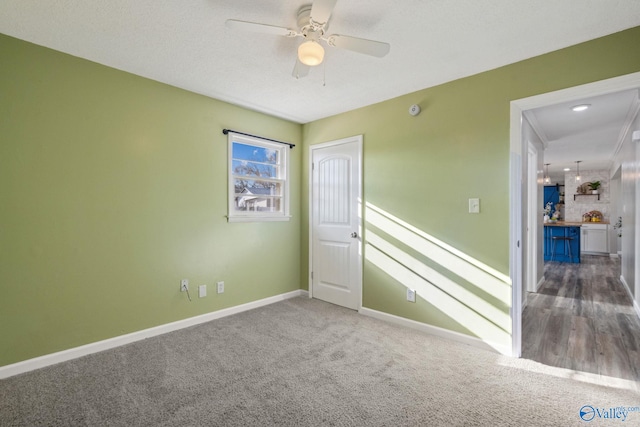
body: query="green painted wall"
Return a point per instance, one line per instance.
(424, 169)
(112, 189)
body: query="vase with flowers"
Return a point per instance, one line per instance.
(547, 211)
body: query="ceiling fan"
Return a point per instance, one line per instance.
(313, 23)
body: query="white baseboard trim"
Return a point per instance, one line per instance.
(636, 307)
(76, 352)
(437, 331)
(540, 283)
(624, 283)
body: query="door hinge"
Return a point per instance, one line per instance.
(313, 166)
(312, 275)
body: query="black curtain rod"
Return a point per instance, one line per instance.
(226, 131)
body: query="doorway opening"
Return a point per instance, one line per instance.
(527, 224)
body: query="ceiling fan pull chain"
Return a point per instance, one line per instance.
(324, 74)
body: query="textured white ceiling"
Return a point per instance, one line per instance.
(186, 44)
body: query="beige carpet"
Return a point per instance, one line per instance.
(307, 363)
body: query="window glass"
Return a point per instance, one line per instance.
(258, 181)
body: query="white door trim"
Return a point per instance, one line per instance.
(515, 250)
(602, 87)
(359, 140)
(532, 216)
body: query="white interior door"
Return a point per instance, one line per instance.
(336, 266)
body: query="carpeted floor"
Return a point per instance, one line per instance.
(303, 362)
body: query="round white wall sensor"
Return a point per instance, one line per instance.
(414, 110)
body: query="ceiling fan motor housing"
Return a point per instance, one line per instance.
(304, 16)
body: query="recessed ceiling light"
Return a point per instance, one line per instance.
(567, 169)
(580, 107)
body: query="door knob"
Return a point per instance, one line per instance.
(354, 235)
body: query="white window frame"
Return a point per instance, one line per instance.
(234, 215)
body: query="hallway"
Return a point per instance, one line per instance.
(582, 319)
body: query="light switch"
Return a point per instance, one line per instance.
(202, 289)
(474, 205)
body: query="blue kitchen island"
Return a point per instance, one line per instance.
(562, 241)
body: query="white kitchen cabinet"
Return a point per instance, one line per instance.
(594, 238)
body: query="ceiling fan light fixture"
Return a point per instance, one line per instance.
(310, 53)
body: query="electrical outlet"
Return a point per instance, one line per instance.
(411, 295)
(202, 291)
(220, 287)
(184, 285)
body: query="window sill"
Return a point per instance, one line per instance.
(258, 218)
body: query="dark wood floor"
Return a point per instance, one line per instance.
(583, 319)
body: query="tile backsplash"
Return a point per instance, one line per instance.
(574, 209)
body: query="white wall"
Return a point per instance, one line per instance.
(626, 160)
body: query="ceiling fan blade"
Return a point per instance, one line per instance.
(300, 70)
(321, 10)
(368, 47)
(260, 28)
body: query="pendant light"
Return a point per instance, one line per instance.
(547, 178)
(578, 177)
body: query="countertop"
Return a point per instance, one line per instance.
(571, 224)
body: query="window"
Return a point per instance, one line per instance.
(258, 179)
